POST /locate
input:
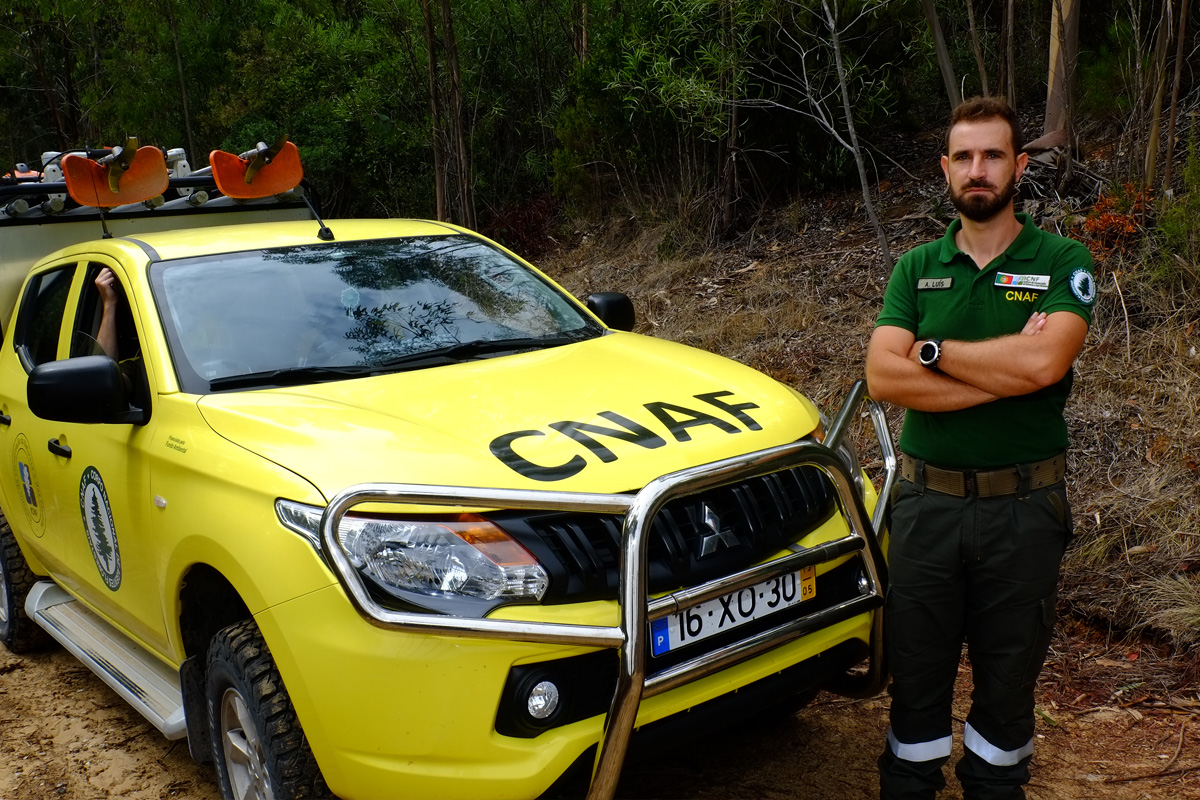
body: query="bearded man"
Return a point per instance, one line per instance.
(976, 339)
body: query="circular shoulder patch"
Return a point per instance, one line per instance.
(1083, 286)
(98, 524)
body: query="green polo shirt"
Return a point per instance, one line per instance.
(937, 292)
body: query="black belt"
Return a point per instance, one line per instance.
(980, 482)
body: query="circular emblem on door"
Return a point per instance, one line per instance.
(27, 478)
(98, 523)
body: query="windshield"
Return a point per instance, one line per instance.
(330, 311)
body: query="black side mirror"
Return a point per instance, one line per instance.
(87, 389)
(613, 308)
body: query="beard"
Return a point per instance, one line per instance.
(982, 207)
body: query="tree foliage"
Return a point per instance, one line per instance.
(662, 108)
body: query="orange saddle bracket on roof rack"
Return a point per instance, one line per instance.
(281, 174)
(89, 184)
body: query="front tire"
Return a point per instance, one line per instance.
(260, 750)
(18, 632)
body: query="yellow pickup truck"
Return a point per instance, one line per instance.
(374, 509)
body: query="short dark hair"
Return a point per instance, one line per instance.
(981, 108)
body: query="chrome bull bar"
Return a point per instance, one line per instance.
(636, 611)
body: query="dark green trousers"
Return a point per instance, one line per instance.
(980, 571)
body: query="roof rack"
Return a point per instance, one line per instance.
(80, 184)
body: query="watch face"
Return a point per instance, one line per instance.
(929, 352)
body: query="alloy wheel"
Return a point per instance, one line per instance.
(243, 750)
(4, 610)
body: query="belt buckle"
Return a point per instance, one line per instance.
(969, 482)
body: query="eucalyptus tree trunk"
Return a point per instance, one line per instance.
(183, 95)
(436, 114)
(1174, 113)
(1010, 58)
(1064, 51)
(1158, 77)
(581, 31)
(978, 48)
(730, 177)
(74, 108)
(37, 54)
(458, 126)
(885, 252)
(943, 55)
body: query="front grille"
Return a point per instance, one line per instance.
(742, 522)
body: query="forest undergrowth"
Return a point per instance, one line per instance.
(797, 296)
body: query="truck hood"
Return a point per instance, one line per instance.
(605, 415)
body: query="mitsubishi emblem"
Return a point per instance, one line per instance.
(716, 536)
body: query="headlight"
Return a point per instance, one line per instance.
(468, 557)
(453, 557)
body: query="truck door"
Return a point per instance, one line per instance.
(99, 474)
(32, 339)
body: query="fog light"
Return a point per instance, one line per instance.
(543, 699)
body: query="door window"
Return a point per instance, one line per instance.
(90, 322)
(38, 328)
(111, 333)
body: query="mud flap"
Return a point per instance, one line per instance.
(195, 710)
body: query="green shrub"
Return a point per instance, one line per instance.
(1179, 221)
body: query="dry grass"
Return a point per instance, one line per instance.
(799, 303)
(1135, 420)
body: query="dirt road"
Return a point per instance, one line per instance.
(1112, 725)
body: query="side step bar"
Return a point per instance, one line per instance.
(146, 683)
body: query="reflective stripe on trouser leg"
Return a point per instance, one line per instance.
(973, 740)
(924, 616)
(1014, 570)
(922, 751)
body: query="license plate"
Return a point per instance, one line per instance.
(699, 622)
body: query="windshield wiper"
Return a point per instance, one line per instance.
(465, 351)
(290, 376)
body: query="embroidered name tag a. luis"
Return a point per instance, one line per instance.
(1035, 282)
(934, 283)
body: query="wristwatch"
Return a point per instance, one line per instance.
(930, 353)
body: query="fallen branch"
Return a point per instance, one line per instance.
(1164, 772)
(1153, 775)
(911, 217)
(1182, 728)
(1097, 708)
(1125, 310)
(1188, 706)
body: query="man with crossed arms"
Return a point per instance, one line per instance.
(976, 338)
